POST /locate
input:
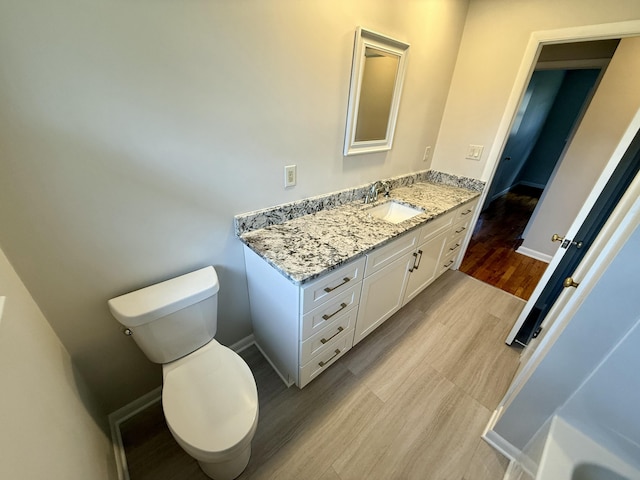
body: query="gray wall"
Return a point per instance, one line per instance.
(496, 35)
(133, 132)
(51, 424)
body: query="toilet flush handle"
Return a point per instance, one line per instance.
(128, 332)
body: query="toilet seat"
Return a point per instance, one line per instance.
(210, 402)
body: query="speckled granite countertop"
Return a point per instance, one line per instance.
(306, 247)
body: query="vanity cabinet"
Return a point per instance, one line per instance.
(459, 230)
(304, 329)
(426, 267)
(386, 273)
(397, 272)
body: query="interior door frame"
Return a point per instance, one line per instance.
(612, 237)
(527, 66)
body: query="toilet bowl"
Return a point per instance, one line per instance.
(210, 403)
(209, 395)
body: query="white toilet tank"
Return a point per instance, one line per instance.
(171, 319)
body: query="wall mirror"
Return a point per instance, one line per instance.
(377, 74)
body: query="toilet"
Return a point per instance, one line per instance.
(209, 395)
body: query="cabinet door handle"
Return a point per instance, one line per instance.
(342, 307)
(322, 363)
(467, 212)
(454, 247)
(449, 263)
(331, 289)
(419, 259)
(461, 230)
(413, 267)
(325, 340)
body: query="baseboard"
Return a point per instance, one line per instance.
(121, 415)
(497, 195)
(543, 257)
(532, 184)
(498, 442)
(286, 381)
(243, 344)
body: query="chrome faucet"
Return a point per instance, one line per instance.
(387, 188)
(372, 194)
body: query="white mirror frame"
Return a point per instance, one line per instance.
(368, 38)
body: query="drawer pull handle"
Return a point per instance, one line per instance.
(330, 289)
(342, 307)
(454, 247)
(324, 362)
(461, 230)
(325, 340)
(467, 212)
(449, 263)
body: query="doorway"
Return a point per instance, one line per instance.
(557, 95)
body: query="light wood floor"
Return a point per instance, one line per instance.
(408, 402)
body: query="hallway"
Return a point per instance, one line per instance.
(491, 256)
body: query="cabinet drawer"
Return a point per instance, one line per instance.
(317, 319)
(466, 211)
(383, 256)
(436, 226)
(321, 341)
(461, 228)
(331, 285)
(453, 245)
(335, 349)
(447, 260)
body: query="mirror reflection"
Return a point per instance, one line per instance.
(377, 74)
(376, 94)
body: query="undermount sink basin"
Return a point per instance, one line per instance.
(394, 212)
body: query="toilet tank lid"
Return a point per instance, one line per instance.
(155, 301)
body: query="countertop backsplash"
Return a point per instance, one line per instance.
(278, 214)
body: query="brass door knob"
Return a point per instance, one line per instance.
(569, 282)
(556, 238)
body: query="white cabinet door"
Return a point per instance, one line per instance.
(382, 294)
(425, 269)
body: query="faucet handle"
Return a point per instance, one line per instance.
(387, 187)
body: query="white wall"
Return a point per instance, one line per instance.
(608, 116)
(133, 132)
(48, 418)
(493, 44)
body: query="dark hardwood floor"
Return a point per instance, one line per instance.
(491, 256)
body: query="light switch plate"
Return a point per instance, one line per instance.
(427, 153)
(474, 152)
(290, 176)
